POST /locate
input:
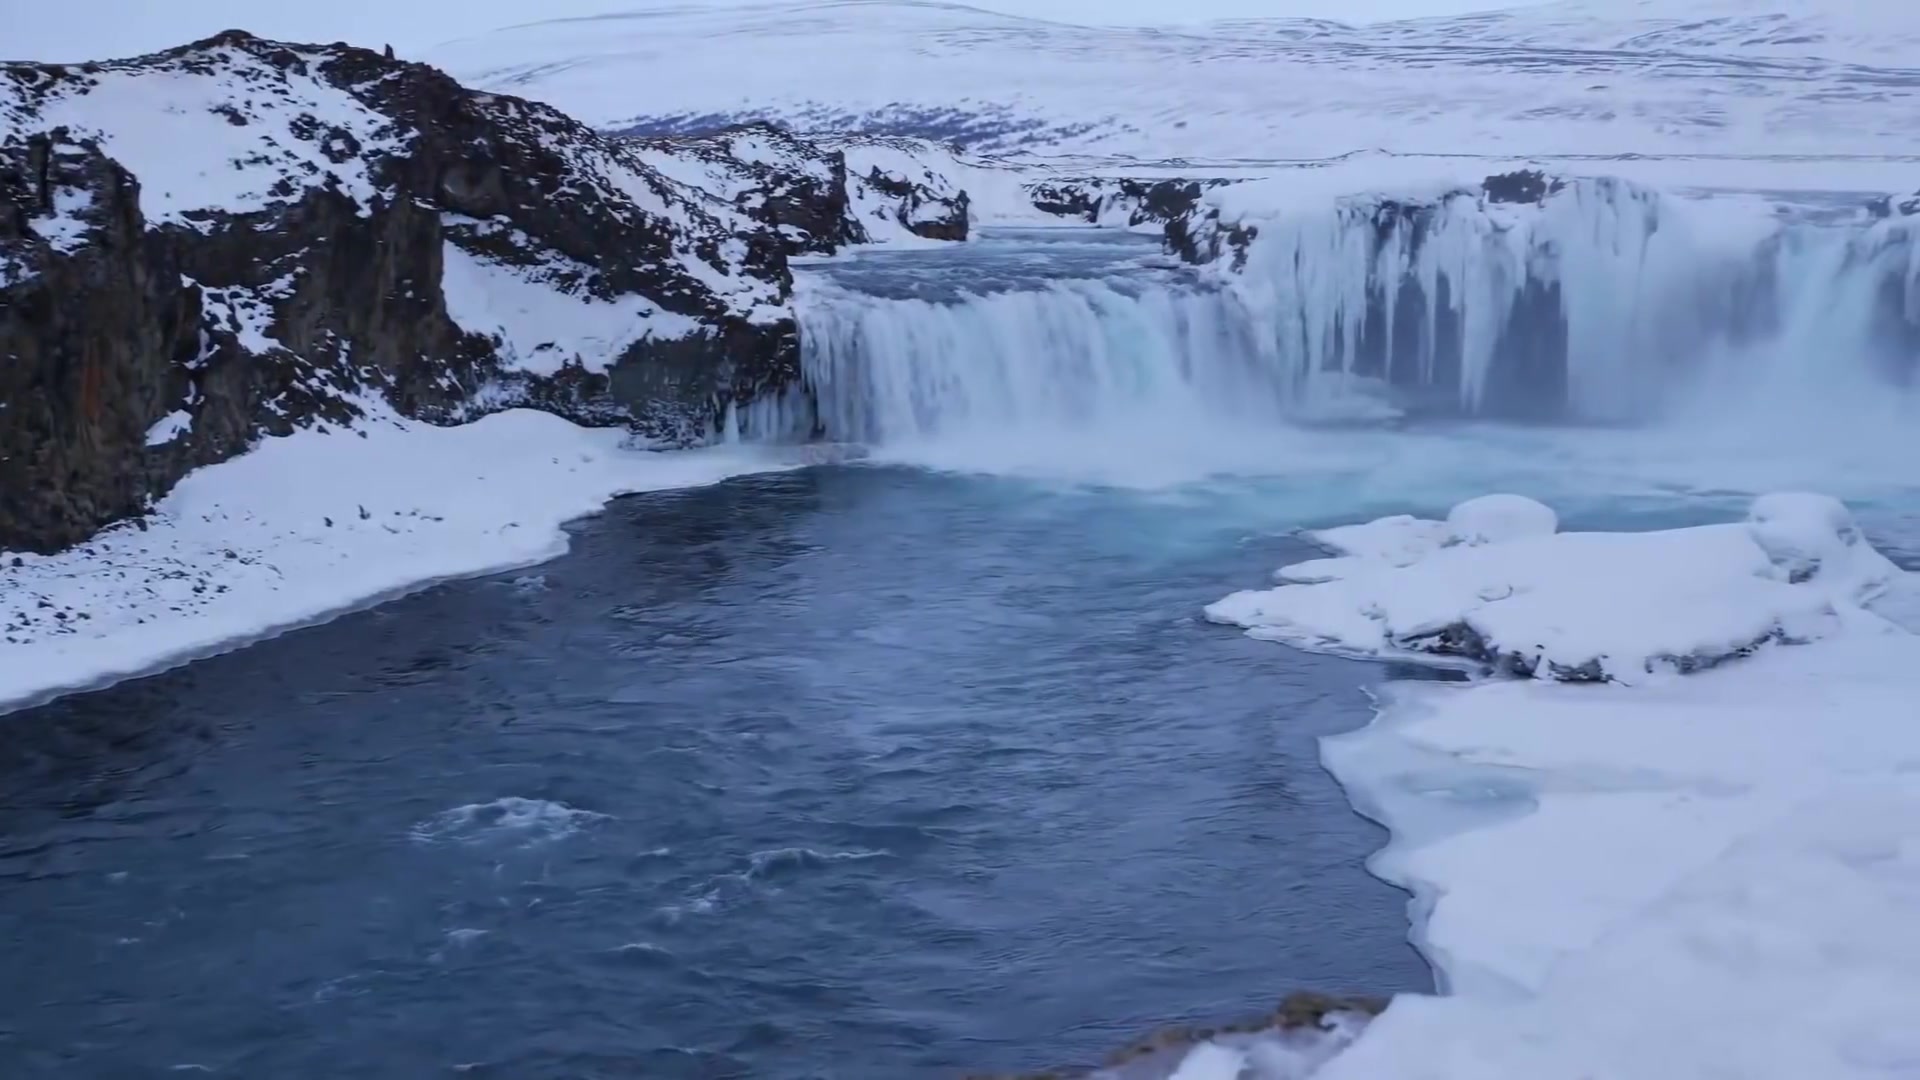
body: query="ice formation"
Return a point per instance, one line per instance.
(1598, 301)
(1496, 585)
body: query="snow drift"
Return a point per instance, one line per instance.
(1497, 585)
(1658, 877)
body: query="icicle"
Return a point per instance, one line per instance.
(1606, 302)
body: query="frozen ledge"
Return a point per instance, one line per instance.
(1497, 585)
(1702, 876)
(311, 525)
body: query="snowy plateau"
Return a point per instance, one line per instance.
(293, 329)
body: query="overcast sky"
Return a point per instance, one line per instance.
(93, 29)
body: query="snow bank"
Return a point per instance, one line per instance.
(1496, 585)
(309, 525)
(1690, 877)
(1714, 876)
(251, 128)
(540, 320)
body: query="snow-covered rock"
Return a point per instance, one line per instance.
(1291, 1042)
(1494, 519)
(249, 236)
(1121, 201)
(1811, 537)
(819, 194)
(1496, 585)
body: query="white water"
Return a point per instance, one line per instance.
(1071, 354)
(1607, 304)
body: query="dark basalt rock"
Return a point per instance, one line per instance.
(1192, 232)
(1521, 186)
(805, 190)
(947, 221)
(1461, 641)
(1889, 206)
(93, 346)
(808, 209)
(1158, 1055)
(1144, 201)
(306, 304)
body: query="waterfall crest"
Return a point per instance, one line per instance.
(1604, 303)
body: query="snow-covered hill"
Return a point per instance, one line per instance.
(1583, 77)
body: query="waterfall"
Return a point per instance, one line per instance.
(1066, 354)
(1604, 303)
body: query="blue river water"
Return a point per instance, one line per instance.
(911, 767)
(849, 772)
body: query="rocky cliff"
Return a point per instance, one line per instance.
(240, 236)
(1121, 201)
(817, 193)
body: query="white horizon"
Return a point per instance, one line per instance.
(78, 30)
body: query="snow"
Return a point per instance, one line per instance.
(1708, 875)
(1390, 541)
(943, 172)
(311, 524)
(1505, 589)
(1592, 77)
(1493, 519)
(1211, 1061)
(66, 228)
(238, 126)
(540, 323)
(1290, 1051)
(247, 122)
(170, 427)
(247, 312)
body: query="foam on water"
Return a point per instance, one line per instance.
(528, 821)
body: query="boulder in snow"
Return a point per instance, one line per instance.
(1494, 519)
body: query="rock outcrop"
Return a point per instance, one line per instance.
(817, 193)
(1120, 200)
(1192, 230)
(1454, 298)
(1312, 1026)
(1890, 206)
(240, 237)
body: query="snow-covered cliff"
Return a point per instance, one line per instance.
(242, 236)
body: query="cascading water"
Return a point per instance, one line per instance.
(1602, 303)
(1067, 354)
